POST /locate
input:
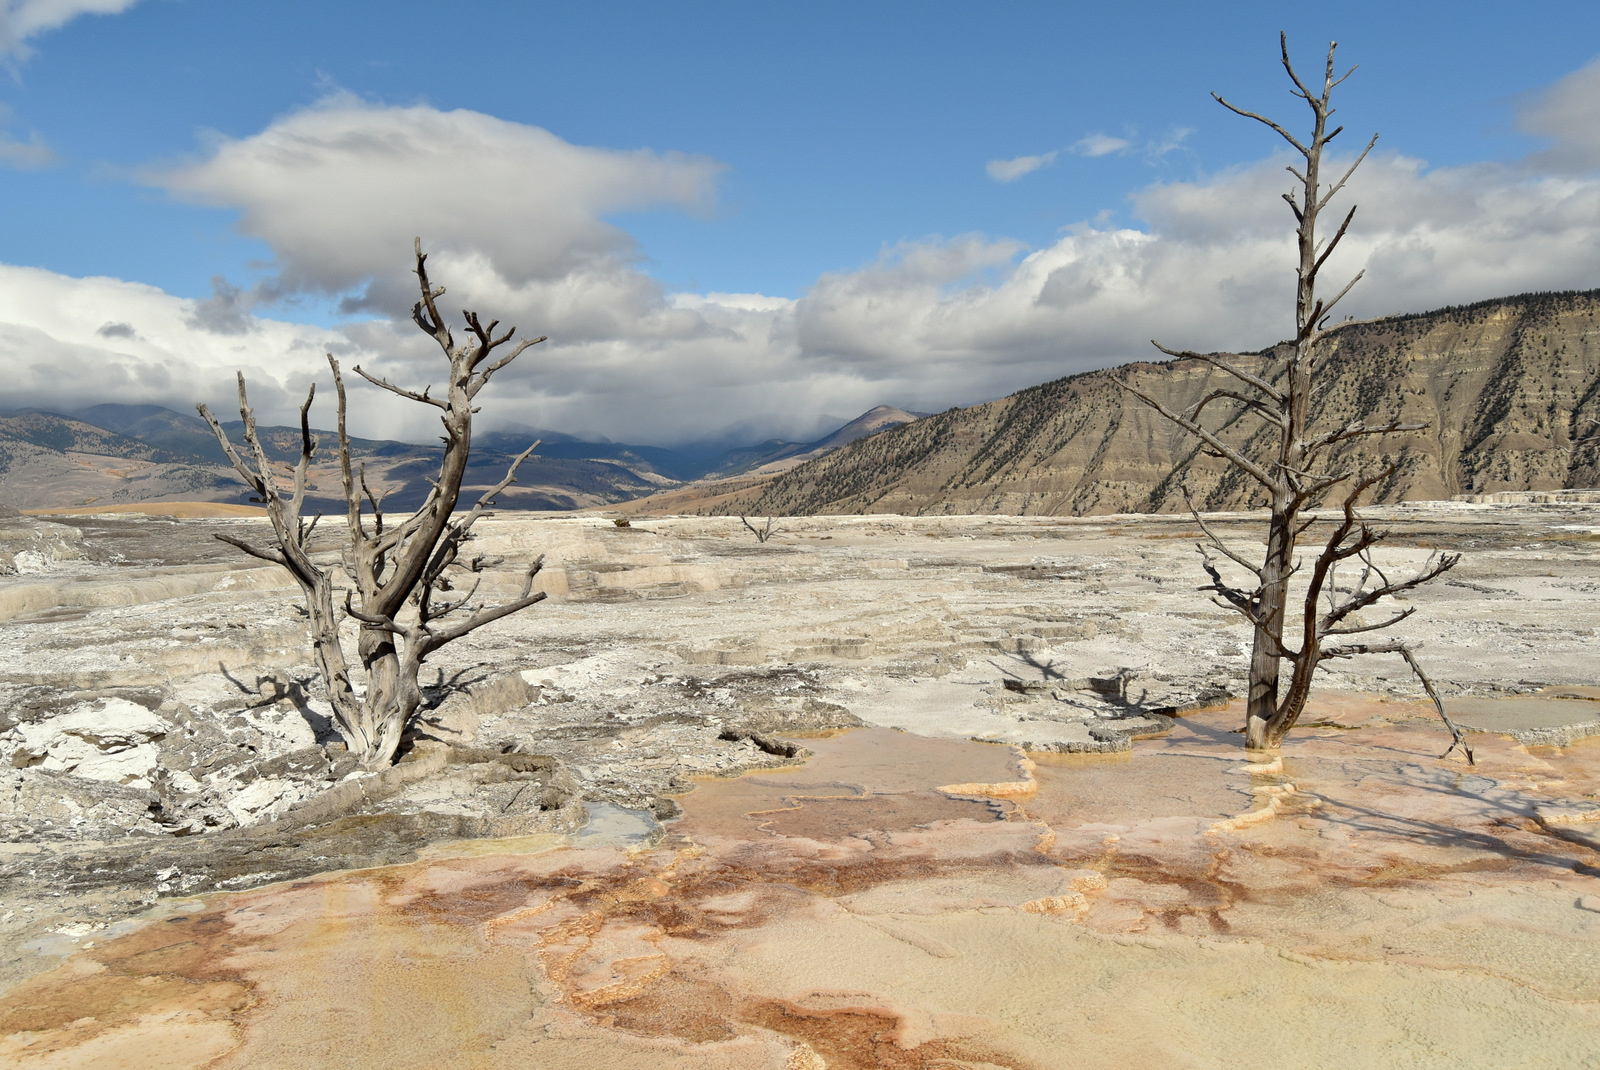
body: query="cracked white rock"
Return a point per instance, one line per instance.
(114, 742)
(265, 798)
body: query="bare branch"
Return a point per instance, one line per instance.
(268, 485)
(1323, 331)
(1283, 48)
(1436, 567)
(509, 357)
(483, 336)
(1309, 485)
(1404, 650)
(428, 612)
(252, 479)
(1234, 457)
(1236, 597)
(486, 499)
(351, 498)
(1339, 185)
(1214, 538)
(1325, 309)
(479, 619)
(275, 556)
(1262, 119)
(1356, 429)
(1272, 416)
(1294, 206)
(1216, 360)
(375, 620)
(433, 323)
(1334, 244)
(308, 446)
(1225, 550)
(373, 500)
(528, 597)
(456, 533)
(1356, 629)
(400, 390)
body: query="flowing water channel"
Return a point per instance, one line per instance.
(898, 901)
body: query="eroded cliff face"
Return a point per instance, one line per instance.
(1508, 389)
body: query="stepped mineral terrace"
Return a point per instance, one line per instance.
(992, 810)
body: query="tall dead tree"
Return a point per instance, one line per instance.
(1297, 473)
(400, 577)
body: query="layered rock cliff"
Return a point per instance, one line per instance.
(1509, 389)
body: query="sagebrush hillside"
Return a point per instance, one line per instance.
(1510, 389)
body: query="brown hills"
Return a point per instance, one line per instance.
(1510, 389)
(117, 456)
(53, 462)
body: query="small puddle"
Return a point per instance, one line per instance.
(610, 825)
(1520, 713)
(1076, 789)
(857, 782)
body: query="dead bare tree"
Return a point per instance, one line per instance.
(400, 575)
(762, 533)
(1298, 475)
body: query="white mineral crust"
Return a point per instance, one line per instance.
(114, 742)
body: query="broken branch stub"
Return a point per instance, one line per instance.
(393, 569)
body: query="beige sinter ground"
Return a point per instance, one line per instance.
(906, 896)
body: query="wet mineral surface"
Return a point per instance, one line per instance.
(907, 902)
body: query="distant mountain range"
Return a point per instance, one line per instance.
(1509, 388)
(129, 454)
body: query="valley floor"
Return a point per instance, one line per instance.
(1024, 836)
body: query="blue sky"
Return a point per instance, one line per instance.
(858, 171)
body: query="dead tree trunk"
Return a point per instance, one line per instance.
(399, 574)
(763, 533)
(1296, 475)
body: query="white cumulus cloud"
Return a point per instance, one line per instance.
(25, 155)
(1101, 145)
(1213, 270)
(339, 189)
(1568, 113)
(1171, 141)
(69, 342)
(1011, 170)
(23, 19)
